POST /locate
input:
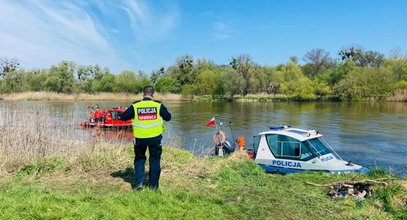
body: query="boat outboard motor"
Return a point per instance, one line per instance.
(228, 147)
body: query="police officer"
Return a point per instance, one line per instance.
(148, 116)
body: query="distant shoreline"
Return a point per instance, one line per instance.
(52, 96)
(400, 96)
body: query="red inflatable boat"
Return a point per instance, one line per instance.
(106, 119)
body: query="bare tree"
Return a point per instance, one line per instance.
(395, 53)
(317, 60)
(361, 57)
(8, 65)
(243, 64)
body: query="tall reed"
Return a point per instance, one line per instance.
(399, 95)
(32, 134)
(52, 96)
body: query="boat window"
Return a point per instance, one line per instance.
(272, 141)
(319, 148)
(289, 148)
(298, 132)
(115, 115)
(256, 142)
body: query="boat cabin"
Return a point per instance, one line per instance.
(287, 150)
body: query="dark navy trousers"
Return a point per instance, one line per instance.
(155, 151)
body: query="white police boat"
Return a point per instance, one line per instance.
(290, 150)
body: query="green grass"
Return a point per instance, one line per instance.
(191, 188)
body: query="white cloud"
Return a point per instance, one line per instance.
(114, 30)
(222, 31)
(46, 32)
(148, 24)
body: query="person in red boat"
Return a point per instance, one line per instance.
(148, 116)
(98, 115)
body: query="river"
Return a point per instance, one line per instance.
(371, 134)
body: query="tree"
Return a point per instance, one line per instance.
(293, 59)
(167, 84)
(203, 64)
(371, 59)
(207, 83)
(291, 72)
(155, 75)
(362, 58)
(61, 78)
(188, 91)
(317, 60)
(259, 80)
(34, 80)
(243, 64)
(87, 76)
(183, 70)
(293, 83)
(7, 66)
(300, 89)
(106, 84)
(365, 83)
(398, 66)
(232, 81)
(126, 82)
(395, 53)
(351, 86)
(379, 82)
(269, 80)
(333, 75)
(142, 81)
(321, 88)
(13, 82)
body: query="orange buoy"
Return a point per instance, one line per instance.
(241, 142)
(219, 135)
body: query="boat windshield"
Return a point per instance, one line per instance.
(317, 146)
(115, 115)
(286, 147)
(256, 142)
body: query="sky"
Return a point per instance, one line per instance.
(142, 35)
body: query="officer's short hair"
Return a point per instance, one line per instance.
(148, 90)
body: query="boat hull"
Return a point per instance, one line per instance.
(105, 125)
(285, 170)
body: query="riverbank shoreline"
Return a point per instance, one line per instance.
(399, 96)
(52, 96)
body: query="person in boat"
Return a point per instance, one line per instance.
(148, 116)
(99, 115)
(90, 113)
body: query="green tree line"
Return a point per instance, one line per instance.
(352, 75)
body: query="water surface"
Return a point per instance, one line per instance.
(371, 134)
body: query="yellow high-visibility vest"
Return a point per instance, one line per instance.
(147, 121)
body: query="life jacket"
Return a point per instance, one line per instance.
(98, 114)
(147, 121)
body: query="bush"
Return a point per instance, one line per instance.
(301, 89)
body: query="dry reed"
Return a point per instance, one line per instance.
(29, 136)
(37, 134)
(399, 95)
(52, 96)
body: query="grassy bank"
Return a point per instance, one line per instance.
(97, 185)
